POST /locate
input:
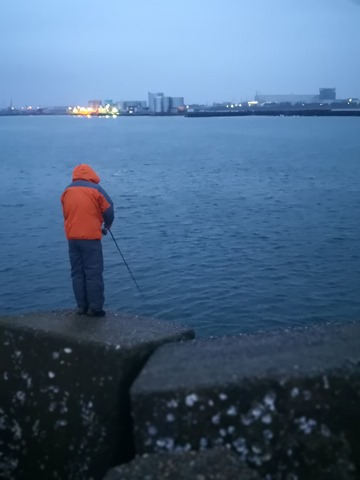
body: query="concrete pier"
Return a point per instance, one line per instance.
(64, 391)
(286, 402)
(126, 398)
(217, 464)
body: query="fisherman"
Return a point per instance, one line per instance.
(88, 213)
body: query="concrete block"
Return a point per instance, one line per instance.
(64, 391)
(216, 464)
(287, 402)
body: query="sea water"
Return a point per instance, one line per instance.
(229, 225)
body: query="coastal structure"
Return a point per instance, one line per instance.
(152, 100)
(133, 106)
(325, 103)
(324, 95)
(159, 104)
(102, 111)
(94, 104)
(55, 110)
(64, 391)
(278, 404)
(327, 94)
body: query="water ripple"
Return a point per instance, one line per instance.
(248, 224)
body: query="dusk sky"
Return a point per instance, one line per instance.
(66, 52)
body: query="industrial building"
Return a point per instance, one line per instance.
(159, 104)
(94, 104)
(132, 106)
(325, 95)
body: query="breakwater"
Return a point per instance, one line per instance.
(275, 113)
(64, 383)
(80, 396)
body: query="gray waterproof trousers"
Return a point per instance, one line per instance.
(87, 265)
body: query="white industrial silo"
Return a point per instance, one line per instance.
(151, 99)
(166, 104)
(158, 104)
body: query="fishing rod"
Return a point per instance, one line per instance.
(122, 256)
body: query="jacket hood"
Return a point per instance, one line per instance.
(85, 172)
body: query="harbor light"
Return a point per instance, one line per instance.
(94, 112)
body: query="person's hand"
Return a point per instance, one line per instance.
(104, 231)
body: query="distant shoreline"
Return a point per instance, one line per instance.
(57, 114)
(210, 113)
(275, 113)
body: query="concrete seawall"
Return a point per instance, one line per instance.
(79, 396)
(64, 391)
(288, 403)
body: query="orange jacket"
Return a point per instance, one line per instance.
(86, 206)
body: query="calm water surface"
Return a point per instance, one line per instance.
(229, 224)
